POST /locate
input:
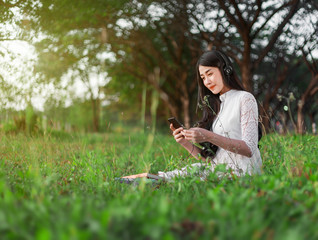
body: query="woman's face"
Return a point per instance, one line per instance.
(212, 79)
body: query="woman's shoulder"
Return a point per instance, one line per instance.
(244, 95)
(237, 96)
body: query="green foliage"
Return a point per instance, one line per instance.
(30, 119)
(14, 122)
(129, 39)
(62, 187)
(9, 127)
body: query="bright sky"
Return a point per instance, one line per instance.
(17, 69)
(17, 59)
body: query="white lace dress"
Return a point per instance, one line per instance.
(237, 119)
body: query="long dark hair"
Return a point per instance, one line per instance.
(207, 101)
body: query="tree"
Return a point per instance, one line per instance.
(70, 48)
(17, 82)
(170, 35)
(9, 31)
(307, 42)
(295, 50)
(162, 42)
(307, 98)
(261, 37)
(246, 31)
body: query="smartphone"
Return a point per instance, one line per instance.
(176, 124)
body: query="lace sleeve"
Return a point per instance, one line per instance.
(249, 121)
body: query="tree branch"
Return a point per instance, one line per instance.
(259, 4)
(310, 67)
(269, 18)
(238, 13)
(10, 5)
(270, 45)
(231, 17)
(314, 91)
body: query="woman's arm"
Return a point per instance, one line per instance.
(198, 135)
(249, 129)
(249, 121)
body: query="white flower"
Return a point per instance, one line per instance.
(279, 97)
(291, 97)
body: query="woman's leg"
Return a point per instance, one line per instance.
(199, 169)
(140, 175)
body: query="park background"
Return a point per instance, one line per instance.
(93, 66)
(87, 87)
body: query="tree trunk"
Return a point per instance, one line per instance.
(96, 114)
(310, 91)
(185, 100)
(143, 106)
(246, 67)
(300, 116)
(186, 112)
(173, 109)
(313, 124)
(271, 94)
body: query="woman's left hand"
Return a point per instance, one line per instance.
(196, 135)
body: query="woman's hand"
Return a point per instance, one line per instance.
(178, 135)
(196, 135)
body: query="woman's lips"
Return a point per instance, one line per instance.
(212, 87)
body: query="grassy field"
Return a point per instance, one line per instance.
(55, 187)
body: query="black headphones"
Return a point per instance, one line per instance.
(228, 70)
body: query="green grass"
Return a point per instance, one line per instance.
(63, 188)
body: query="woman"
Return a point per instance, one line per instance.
(230, 121)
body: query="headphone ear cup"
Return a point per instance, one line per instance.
(228, 70)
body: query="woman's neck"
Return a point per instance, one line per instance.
(224, 90)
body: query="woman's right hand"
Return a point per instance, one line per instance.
(178, 136)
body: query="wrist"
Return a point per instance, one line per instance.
(186, 144)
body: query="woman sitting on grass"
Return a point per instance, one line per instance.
(230, 121)
(229, 124)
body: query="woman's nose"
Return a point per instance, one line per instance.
(208, 79)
